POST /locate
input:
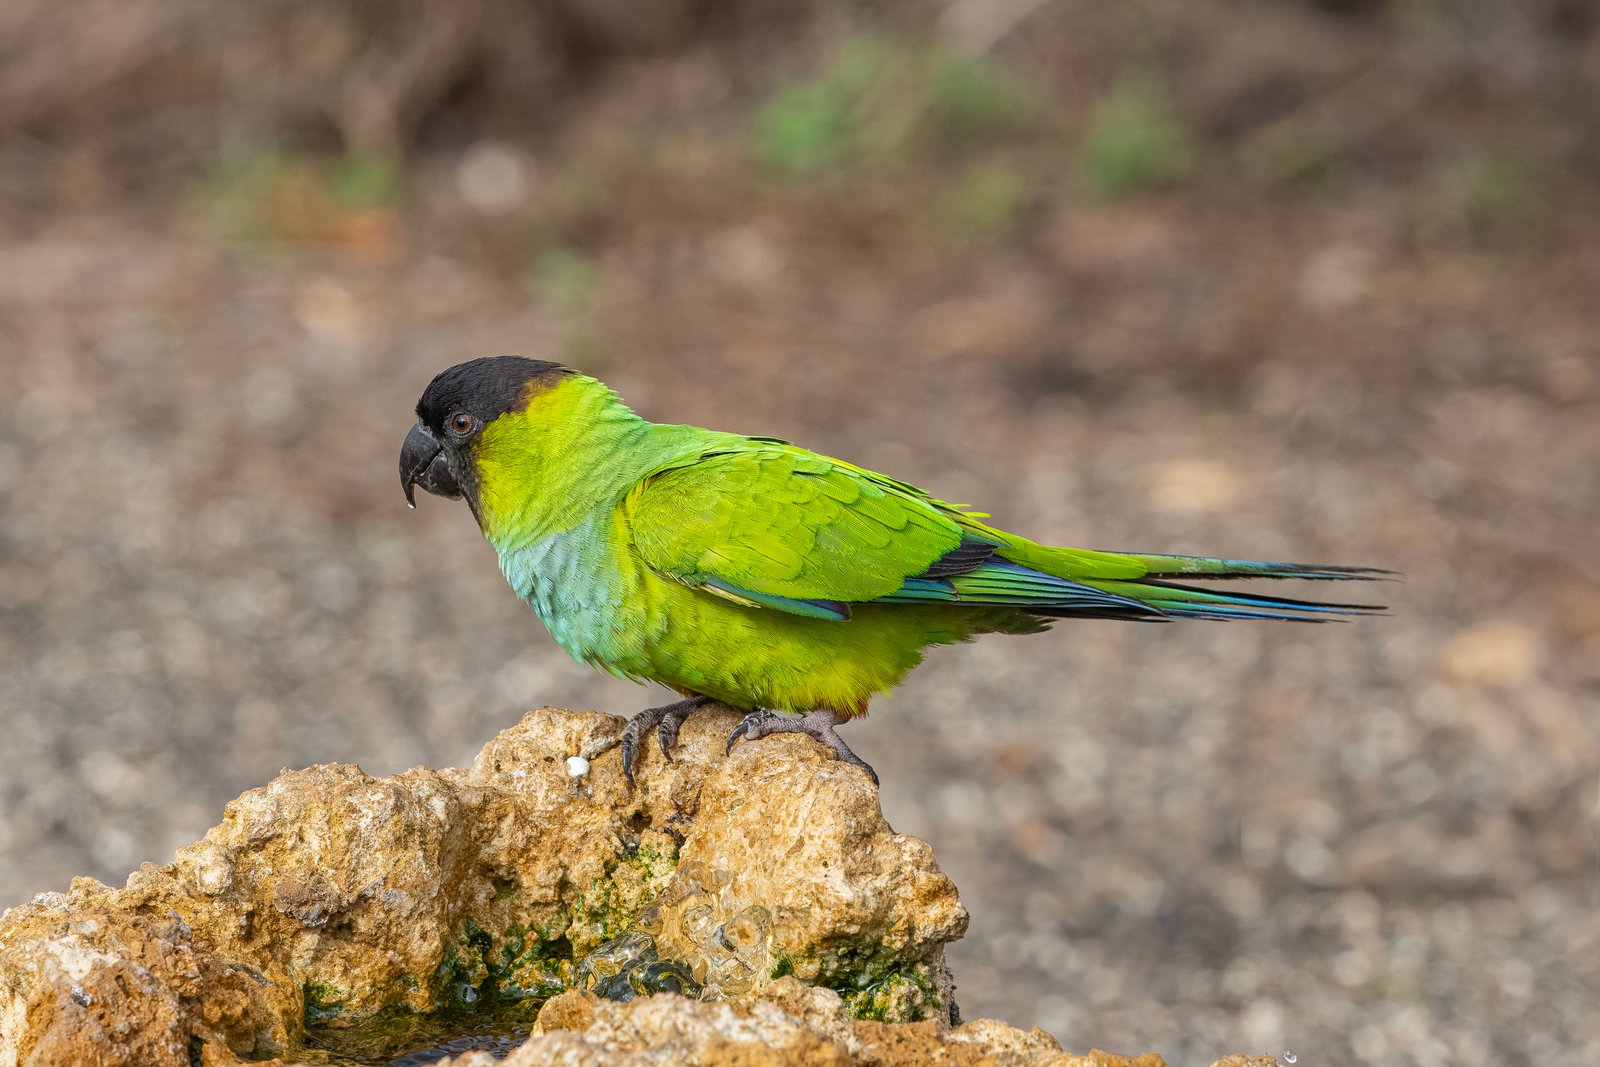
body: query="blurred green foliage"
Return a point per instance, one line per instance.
(814, 124)
(1496, 189)
(989, 198)
(569, 281)
(1135, 140)
(1298, 156)
(565, 277)
(236, 186)
(362, 181)
(266, 194)
(883, 99)
(974, 96)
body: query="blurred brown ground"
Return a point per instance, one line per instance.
(1346, 309)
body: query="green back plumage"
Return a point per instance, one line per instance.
(766, 523)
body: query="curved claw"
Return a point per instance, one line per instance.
(738, 732)
(666, 737)
(630, 752)
(665, 720)
(758, 720)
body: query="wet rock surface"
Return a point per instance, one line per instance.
(790, 1023)
(337, 917)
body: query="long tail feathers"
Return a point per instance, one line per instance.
(1193, 567)
(1077, 583)
(1191, 602)
(1188, 602)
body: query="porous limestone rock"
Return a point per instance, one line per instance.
(330, 898)
(745, 909)
(788, 1025)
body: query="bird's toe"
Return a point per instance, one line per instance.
(665, 721)
(818, 725)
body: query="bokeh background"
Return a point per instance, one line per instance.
(1269, 278)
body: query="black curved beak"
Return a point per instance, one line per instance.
(422, 463)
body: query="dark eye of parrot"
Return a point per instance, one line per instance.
(461, 423)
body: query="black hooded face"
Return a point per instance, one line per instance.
(455, 407)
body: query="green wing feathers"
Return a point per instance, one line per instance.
(770, 525)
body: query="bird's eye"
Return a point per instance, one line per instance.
(461, 423)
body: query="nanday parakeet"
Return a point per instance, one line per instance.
(750, 571)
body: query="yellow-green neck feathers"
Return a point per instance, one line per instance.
(541, 468)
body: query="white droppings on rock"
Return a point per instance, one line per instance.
(577, 766)
(213, 874)
(76, 958)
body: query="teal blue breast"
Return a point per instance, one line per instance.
(580, 590)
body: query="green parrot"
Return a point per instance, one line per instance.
(753, 572)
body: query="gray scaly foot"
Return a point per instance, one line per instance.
(817, 725)
(665, 720)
